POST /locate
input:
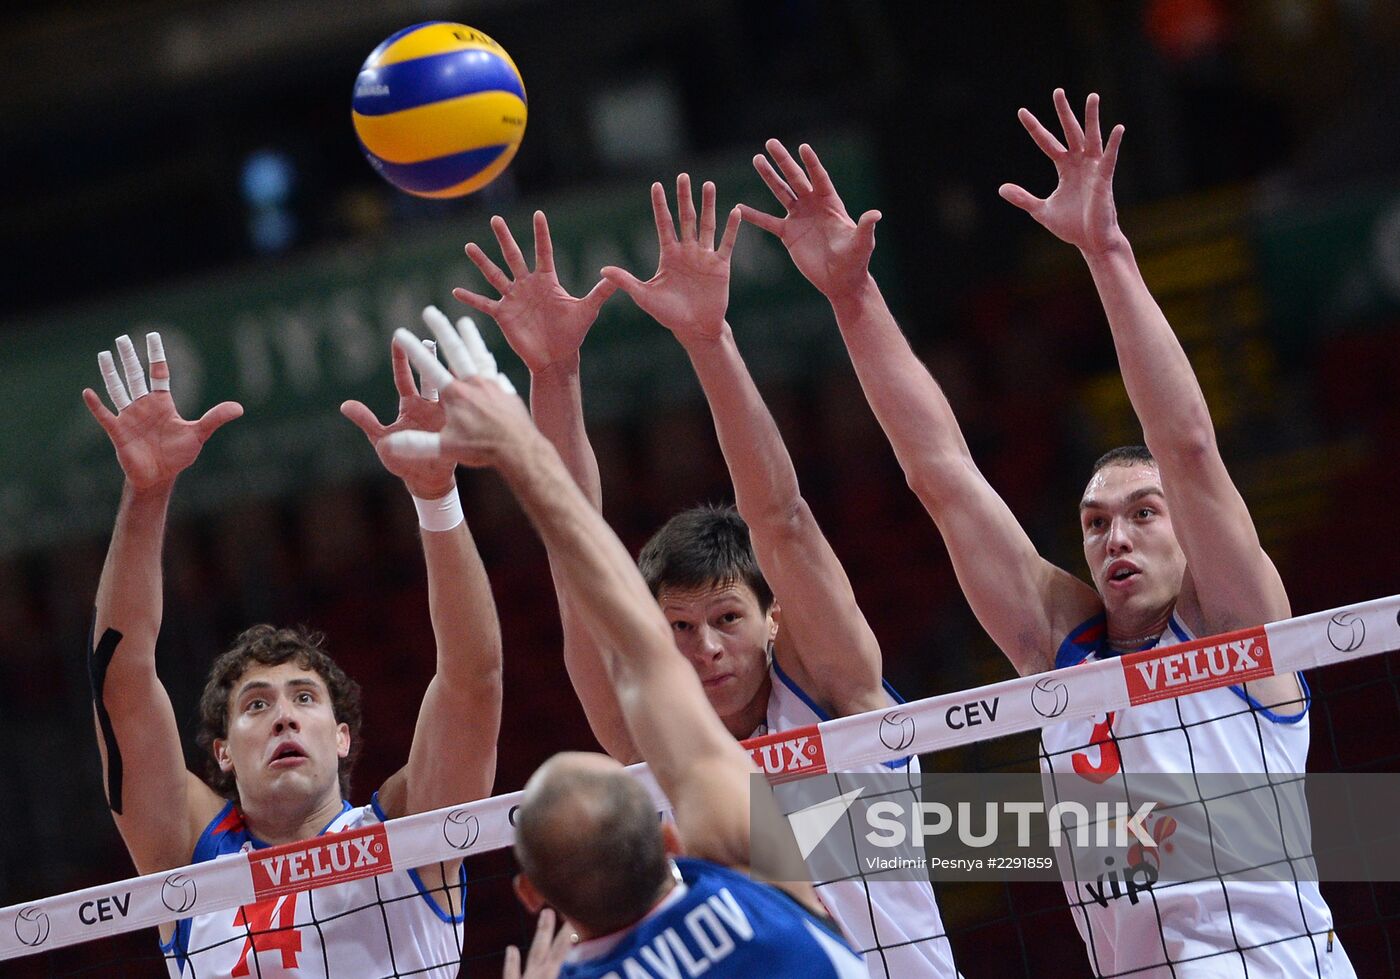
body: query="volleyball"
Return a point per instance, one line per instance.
(439, 109)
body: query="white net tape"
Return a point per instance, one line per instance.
(1027, 703)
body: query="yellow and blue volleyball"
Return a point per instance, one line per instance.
(439, 109)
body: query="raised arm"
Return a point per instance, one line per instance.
(159, 806)
(453, 755)
(1230, 580)
(1025, 603)
(702, 770)
(824, 639)
(545, 326)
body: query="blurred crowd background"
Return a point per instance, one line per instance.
(190, 167)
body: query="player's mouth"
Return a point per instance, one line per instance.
(1121, 574)
(288, 754)
(717, 681)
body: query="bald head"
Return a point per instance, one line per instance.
(588, 838)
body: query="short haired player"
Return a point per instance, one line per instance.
(757, 600)
(281, 719)
(587, 837)
(1171, 548)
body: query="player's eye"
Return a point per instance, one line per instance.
(1145, 512)
(256, 704)
(680, 626)
(729, 618)
(305, 697)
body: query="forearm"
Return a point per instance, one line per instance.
(556, 404)
(129, 593)
(463, 612)
(1161, 384)
(765, 482)
(908, 403)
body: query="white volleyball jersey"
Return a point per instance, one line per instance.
(367, 929)
(1211, 925)
(895, 924)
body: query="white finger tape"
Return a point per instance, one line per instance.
(415, 445)
(131, 367)
(155, 354)
(430, 369)
(430, 391)
(115, 389)
(459, 358)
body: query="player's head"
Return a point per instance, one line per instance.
(1133, 554)
(279, 718)
(589, 844)
(700, 566)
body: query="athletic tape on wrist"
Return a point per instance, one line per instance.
(440, 514)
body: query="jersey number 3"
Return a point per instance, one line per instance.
(1109, 762)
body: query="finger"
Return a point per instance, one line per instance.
(510, 251)
(115, 389)
(731, 234)
(414, 445)
(430, 391)
(707, 215)
(685, 207)
(429, 367)
(775, 183)
(512, 968)
(476, 301)
(598, 295)
(865, 229)
(216, 418)
(665, 230)
(131, 367)
(100, 411)
(403, 377)
(459, 359)
(767, 222)
(1093, 139)
(622, 279)
(1048, 144)
(489, 269)
(363, 419)
(821, 180)
(544, 246)
(559, 950)
(544, 933)
(1022, 198)
(481, 356)
(1074, 136)
(790, 168)
(1110, 153)
(160, 370)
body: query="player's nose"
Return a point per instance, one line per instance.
(1118, 538)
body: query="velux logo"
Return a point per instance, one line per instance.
(788, 754)
(331, 859)
(1157, 674)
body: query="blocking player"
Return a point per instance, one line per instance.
(757, 600)
(587, 837)
(1171, 548)
(280, 717)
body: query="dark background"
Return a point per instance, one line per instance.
(1258, 181)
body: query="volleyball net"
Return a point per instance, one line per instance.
(279, 895)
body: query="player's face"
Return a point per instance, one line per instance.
(1129, 543)
(725, 634)
(283, 740)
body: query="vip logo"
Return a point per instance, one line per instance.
(1050, 697)
(1224, 660)
(789, 754)
(178, 893)
(32, 927)
(897, 730)
(1346, 631)
(461, 829)
(331, 859)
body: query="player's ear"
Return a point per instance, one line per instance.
(671, 840)
(342, 740)
(525, 891)
(222, 756)
(775, 615)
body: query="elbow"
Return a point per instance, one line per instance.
(779, 520)
(938, 479)
(1187, 445)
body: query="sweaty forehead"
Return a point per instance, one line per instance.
(283, 674)
(705, 595)
(1114, 484)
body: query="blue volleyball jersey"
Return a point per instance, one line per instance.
(724, 925)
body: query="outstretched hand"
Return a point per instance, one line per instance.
(543, 324)
(1080, 211)
(827, 247)
(547, 951)
(154, 444)
(427, 479)
(484, 417)
(689, 293)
